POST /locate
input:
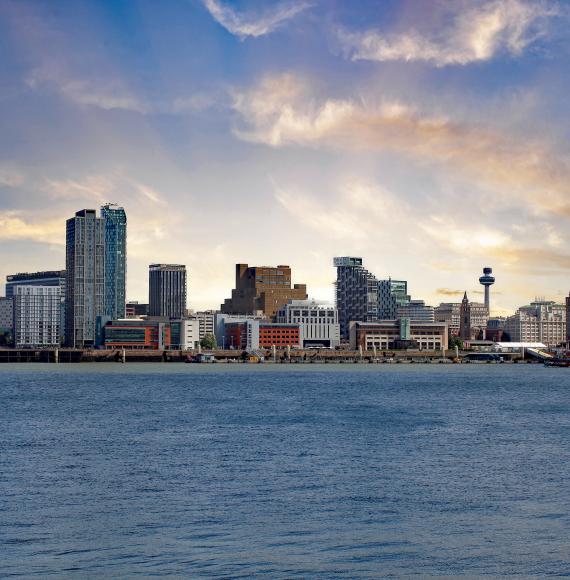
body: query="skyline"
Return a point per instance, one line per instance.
(427, 138)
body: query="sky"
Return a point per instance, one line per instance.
(430, 138)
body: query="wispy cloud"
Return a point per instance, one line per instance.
(281, 111)
(253, 24)
(107, 94)
(471, 31)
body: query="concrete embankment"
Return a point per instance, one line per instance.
(63, 355)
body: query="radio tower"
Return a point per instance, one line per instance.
(487, 280)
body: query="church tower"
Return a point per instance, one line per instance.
(465, 320)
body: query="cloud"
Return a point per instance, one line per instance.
(107, 94)
(448, 292)
(471, 31)
(360, 209)
(14, 227)
(281, 111)
(259, 24)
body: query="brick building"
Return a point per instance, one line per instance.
(262, 288)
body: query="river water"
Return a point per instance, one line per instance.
(228, 471)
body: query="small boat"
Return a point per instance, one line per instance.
(557, 362)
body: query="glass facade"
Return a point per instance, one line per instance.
(115, 260)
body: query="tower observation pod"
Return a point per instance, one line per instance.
(487, 280)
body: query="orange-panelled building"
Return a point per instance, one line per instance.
(253, 334)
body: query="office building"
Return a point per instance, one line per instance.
(115, 260)
(416, 310)
(254, 334)
(85, 268)
(541, 321)
(395, 334)
(133, 334)
(184, 334)
(450, 313)
(262, 288)
(6, 321)
(221, 320)
(363, 297)
(135, 309)
(318, 323)
(167, 290)
(54, 278)
(6, 314)
(37, 316)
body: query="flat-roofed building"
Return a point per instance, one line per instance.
(167, 290)
(318, 322)
(37, 316)
(136, 334)
(255, 334)
(262, 288)
(416, 310)
(6, 313)
(136, 309)
(394, 334)
(541, 321)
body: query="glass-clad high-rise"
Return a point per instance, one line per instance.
(115, 260)
(85, 268)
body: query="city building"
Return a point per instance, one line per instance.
(541, 321)
(135, 334)
(6, 320)
(495, 329)
(37, 316)
(416, 310)
(395, 334)
(221, 320)
(450, 313)
(363, 297)
(135, 309)
(255, 334)
(55, 278)
(207, 321)
(318, 323)
(184, 334)
(85, 268)
(115, 259)
(487, 280)
(167, 290)
(473, 319)
(262, 288)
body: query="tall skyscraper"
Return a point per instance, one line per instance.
(360, 296)
(85, 266)
(167, 290)
(115, 260)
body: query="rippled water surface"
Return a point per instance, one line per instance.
(288, 471)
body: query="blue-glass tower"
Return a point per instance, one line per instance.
(115, 260)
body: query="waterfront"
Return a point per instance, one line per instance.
(284, 471)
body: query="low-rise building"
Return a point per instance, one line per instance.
(207, 322)
(37, 316)
(450, 313)
(318, 322)
(254, 334)
(394, 334)
(221, 319)
(541, 321)
(136, 309)
(143, 334)
(416, 310)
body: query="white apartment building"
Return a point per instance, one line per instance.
(207, 321)
(541, 321)
(37, 316)
(318, 323)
